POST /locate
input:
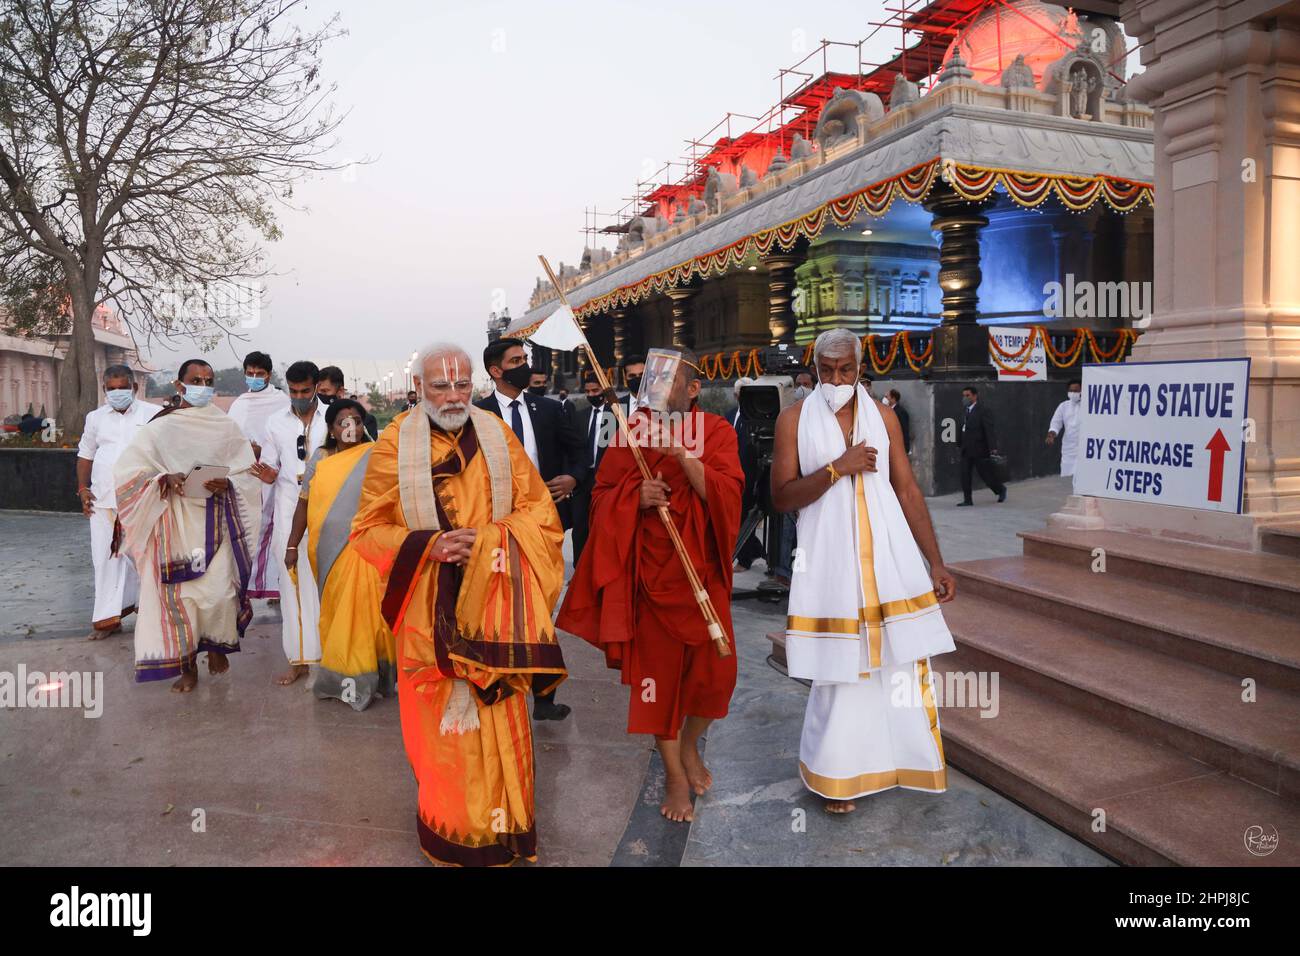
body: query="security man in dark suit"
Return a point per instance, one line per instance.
(978, 442)
(550, 437)
(598, 427)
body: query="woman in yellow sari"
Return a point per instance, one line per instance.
(357, 648)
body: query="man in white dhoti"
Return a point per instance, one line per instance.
(108, 430)
(1065, 426)
(292, 437)
(251, 411)
(192, 546)
(864, 614)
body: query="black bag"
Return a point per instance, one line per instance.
(1001, 471)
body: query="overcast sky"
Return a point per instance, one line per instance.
(491, 125)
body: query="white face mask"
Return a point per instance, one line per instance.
(1076, 397)
(837, 396)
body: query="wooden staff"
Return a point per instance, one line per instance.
(710, 613)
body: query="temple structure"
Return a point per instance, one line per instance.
(916, 202)
(29, 365)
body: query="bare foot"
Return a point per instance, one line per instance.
(185, 683)
(100, 635)
(696, 773)
(217, 663)
(677, 800)
(840, 806)
(292, 674)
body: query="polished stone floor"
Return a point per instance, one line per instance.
(245, 772)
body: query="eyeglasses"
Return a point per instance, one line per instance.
(442, 388)
(302, 447)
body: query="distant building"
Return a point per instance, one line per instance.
(29, 365)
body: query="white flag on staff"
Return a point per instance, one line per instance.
(557, 331)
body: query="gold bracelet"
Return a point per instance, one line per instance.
(830, 467)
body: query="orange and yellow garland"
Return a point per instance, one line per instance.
(1064, 358)
(747, 363)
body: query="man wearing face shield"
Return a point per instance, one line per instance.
(466, 539)
(109, 429)
(863, 617)
(630, 595)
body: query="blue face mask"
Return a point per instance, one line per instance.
(120, 398)
(199, 395)
(254, 384)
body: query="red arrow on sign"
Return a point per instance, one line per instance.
(1218, 447)
(1025, 372)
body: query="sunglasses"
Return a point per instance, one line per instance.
(302, 447)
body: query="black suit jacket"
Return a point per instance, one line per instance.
(978, 437)
(904, 423)
(583, 419)
(559, 443)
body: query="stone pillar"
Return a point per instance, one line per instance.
(683, 320)
(780, 296)
(556, 370)
(1224, 81)
(961, 345)
(619, 319)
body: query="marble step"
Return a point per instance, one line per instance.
(1160, 806)
(1191, 708)
(1283, 539)
(1241, 641)
(1247, 578)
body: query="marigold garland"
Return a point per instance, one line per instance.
(1027, 190)
(1063, 358)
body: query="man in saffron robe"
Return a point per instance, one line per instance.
(467, 543)
(629, 595)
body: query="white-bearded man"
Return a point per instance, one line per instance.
(467, 541)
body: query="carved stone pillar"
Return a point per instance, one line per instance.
(619, 318)
(1227, 141)
(961, 345)
(683, 319)
(780, 296)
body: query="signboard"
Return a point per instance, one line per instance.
(1012, 340)
(1171, 433)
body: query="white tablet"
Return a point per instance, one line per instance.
(199, 474)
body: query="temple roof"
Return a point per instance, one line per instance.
(1029, 154)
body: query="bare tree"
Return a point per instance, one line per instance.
(144, 148)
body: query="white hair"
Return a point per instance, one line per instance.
(433, 350)
(837, 342)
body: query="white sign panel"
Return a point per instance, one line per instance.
(1171, 433)
(1012, 340)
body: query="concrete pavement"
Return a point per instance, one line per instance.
(245, 772)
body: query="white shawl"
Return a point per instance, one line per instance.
(420, 511)
(860, 595)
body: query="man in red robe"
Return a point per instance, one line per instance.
(629, 595)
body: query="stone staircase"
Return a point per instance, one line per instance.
(1122, 691)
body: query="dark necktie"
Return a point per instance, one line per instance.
(517, 421)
